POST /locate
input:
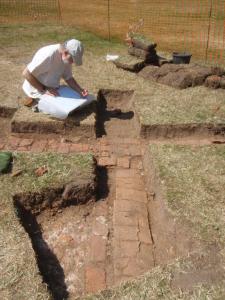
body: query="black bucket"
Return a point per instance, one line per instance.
(181, 58)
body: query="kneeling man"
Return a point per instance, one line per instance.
(48, 66)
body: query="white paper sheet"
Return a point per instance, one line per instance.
(62, 105)
(111, 57)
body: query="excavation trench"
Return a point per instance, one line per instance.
(63, 234)
(110, 231)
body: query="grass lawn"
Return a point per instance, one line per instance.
(19, 271)
(193, 182)
(154, 103)
(166, 105)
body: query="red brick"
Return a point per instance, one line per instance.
(125, 218)
(125, 173)
(143, 151)
(126, 233)
(76, 148)
(26, 142)
(130, 206)
(131, 194)
(98, 248)
(135, 183)
(85, 147)
(104, 147)
(93, 148)
(13, 142)
(52, 145)
(63, 148)
(120, 151)
(143, 221)
(135, 150)
(136, 163)
(39, 146)
(129, 185)
(27, 148)
(125, 249)
(104, 154)
(107, 161)
(101, 208)
(100, 227)
(144, 235)
(131, 141)
(123, 162)
(120, 264)
(146, 256)
(2, 145)
(95, 279)
(134, 268)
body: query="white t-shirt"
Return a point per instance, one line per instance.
(48, 67)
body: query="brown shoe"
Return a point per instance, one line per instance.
(28, 102)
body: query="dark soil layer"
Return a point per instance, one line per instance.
(80, 123)
(181, 131)
(73, 193)
(6, 112)
(181, 75)
(115, 114)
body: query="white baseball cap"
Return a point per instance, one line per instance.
(76, 50)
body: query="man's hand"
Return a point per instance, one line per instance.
(52, 92)
(84, 93)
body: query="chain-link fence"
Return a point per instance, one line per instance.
(196, 26)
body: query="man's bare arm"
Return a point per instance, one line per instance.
(33, 81)
(37, 84)
(75, 86)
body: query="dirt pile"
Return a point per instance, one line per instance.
(215, 82)
(183, 76)
(140, 54)
(145, 51)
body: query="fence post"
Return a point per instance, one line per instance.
(209, 30)
(109, 31)
(59, 12)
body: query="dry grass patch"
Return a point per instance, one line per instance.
(20, 278)
(154, 103)
(166, 105)
(192, 179)
(162, 283)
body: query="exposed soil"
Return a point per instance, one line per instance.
(182, 75)
(83, 248)
(197, 131)
(63, 233)
(5, 128)
(115, 114)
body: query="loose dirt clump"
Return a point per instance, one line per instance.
(178, 76)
